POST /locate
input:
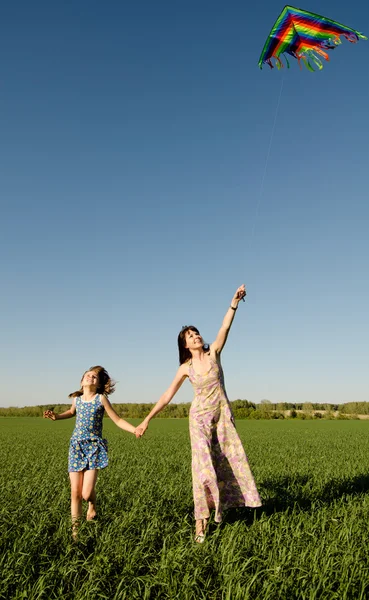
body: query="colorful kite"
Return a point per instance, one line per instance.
(305, 36)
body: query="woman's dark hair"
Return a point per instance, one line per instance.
(105, 384)
(184, 353)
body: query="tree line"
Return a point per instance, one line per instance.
(242, 409)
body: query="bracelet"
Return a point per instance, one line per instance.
(233, 307)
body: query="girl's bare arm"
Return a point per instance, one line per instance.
(121, 423)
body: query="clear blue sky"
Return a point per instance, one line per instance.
(134, 139)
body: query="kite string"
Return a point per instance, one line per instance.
(266, 163)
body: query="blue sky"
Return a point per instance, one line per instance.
(137, 193)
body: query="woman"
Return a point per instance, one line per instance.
(221, 475)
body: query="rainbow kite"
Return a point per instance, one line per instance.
(305, 36)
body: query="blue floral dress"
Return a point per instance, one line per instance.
(87, 449)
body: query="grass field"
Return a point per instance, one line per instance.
(310, 540)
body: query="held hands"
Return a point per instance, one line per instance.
(140, 430)
(137, 433)
(239, 295)
(49, 414)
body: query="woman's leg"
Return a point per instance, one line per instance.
(200, 530)
(204, 481)
(88, 492)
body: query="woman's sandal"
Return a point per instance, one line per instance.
(200, 537)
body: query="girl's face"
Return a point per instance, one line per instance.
(90, 379)
(194, 340)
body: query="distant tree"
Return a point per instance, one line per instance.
(276, 414)
(259, 414)
(236, 404)
(265, 406)
(242, 413)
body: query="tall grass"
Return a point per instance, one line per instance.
(308, 541)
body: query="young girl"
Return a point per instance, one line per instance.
(88, 451)
(221, 475)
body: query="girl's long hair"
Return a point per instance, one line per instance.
(184, 353)
(105, 385)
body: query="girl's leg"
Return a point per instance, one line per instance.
(88, 492)
(76, 482)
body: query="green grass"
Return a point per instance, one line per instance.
(309, 541)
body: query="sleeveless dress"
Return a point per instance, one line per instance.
(221, 475)
(87, 449)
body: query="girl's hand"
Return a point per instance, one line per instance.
(239, 295)
(49, 414)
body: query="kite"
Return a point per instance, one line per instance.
(305, 36)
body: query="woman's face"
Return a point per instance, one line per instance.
(193, 340)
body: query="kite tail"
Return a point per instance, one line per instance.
(316, 60)
(311, 54)
(278, 63)
(354, 37)
(322, 53)
(306, 63)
